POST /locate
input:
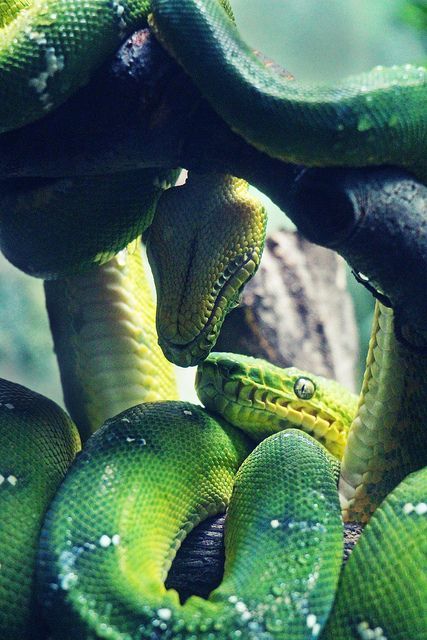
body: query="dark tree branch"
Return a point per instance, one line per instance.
(141, 110)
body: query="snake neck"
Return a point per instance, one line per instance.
(262, 399)
(103, 325)
(380, 451)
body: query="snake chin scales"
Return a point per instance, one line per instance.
(225, 296)
(87, 540)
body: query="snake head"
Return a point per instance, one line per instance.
(261, 399)
(205, 243)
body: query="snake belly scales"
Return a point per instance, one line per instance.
(377, 118)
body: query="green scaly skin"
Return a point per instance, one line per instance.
(385, 426)
(103, 327)
(38, 442)
(56, 228)
(369, 119)
(387, 436)
(149, 476)
(50, 48)
(382, 591)
(260, 399)
(375, 118)
(204, 245)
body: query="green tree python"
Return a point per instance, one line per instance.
(380, 435)
(48, 49)
(151, 473)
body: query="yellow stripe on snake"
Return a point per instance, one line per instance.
(151, 473)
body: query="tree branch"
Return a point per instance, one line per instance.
(141, 110)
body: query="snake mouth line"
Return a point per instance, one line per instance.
(265, 411)
(195, 351)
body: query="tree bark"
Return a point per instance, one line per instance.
(141, 110)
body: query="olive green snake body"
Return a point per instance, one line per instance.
(374, 118)
(150, 474)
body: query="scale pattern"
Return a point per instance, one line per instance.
(144, 480)
(387, 438)
(55, 228)
(382, 590)
(259, 398)
(50, 48)
(38, 442)
(205, 243)
(374, 118)
(103, 326)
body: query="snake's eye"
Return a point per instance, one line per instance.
(304, 388)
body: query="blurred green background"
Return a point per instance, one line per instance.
(318, 41)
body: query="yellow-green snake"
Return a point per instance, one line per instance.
(380, 435)
(151, 473)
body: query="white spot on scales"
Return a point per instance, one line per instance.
(105, 541)
(54, 64)
(367, 633)
(164, 613)
(11, 479)
(7, 405)
(420, 508)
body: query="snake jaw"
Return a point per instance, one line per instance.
(225, 293)
(205, 243)
(261, 400)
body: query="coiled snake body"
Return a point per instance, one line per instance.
(151, 473)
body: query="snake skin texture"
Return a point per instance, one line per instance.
(38, 442)
(103, 326)
(381, 593)
(205, 243)
(260, 398)
(156, 471)
(56, 228)
(387, 438)
(373, 118)
(152, 473)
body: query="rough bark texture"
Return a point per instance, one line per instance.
(141, 110)
(296, 311)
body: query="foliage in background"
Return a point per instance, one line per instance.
(26, 352)
(415, 14)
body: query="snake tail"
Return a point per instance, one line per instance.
(261, 399)
(103, 326)
(141, 485)
(51, 228)
(382, 590)
(205, 243)
(387, 438)
(38, 442)
(369, 119)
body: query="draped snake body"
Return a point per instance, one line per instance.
(174, 461)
